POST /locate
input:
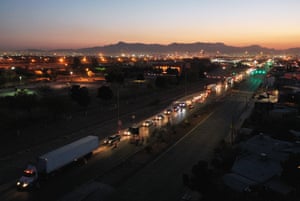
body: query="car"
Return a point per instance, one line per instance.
(191, 106)
(28, 179)
(176, 108)
(134, 130)
(159, 117)
(112, 139)
(167, 111)
(147, 123)
(183, 105)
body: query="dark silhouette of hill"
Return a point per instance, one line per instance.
(209, 48)
(131, 48)
(212, 48)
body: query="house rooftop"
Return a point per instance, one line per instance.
(274, 149)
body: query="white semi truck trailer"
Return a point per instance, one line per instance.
(56, 159)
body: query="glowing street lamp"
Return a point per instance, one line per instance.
(71, 74)
(20, 79)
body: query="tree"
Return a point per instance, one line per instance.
(120, 78)
(109, 77)
(94, 62)
(200, 179)
(84, 98)
(140, 76)
(80, 95)
(76, 62)
(114, 77)
(157, 71)
(27, 102)
(105, 93)
(74, 91)
(2, 78)
(171, 71)
(160, 82)
(56, 105)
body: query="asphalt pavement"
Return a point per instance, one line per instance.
(161, 179)
(137, 186)
(42, 138)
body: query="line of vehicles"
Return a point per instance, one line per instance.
(82, 149)
(133, 132)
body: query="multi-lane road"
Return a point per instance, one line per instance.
(105, 157)
(101, 123)
(164, 172)
(161, 180)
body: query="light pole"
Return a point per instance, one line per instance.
(71, 74)
(118, 110)
(185, 79)
(232, 133)
(20, 79)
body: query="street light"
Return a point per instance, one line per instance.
(185, 78)
(20, 78)
(133, 118)
(71, 74)
(118, 110)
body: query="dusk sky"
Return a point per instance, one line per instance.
(50, 24)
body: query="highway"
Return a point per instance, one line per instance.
(106, 157)
(161, 180)
(69, 178)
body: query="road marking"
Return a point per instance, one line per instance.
(182, 138)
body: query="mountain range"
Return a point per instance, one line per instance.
(176, 48)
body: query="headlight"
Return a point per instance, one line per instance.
(25, 185)
(18, 183)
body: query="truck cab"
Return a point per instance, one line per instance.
(29, 178)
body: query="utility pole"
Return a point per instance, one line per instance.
(185, 80)
(232, 131)
(118, 110)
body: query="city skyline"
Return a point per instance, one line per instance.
(79, 24)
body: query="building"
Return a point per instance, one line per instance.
(259, 164)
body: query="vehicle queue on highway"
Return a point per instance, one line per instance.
(175, 113)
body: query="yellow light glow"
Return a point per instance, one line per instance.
(38, 72)
(90, 73)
